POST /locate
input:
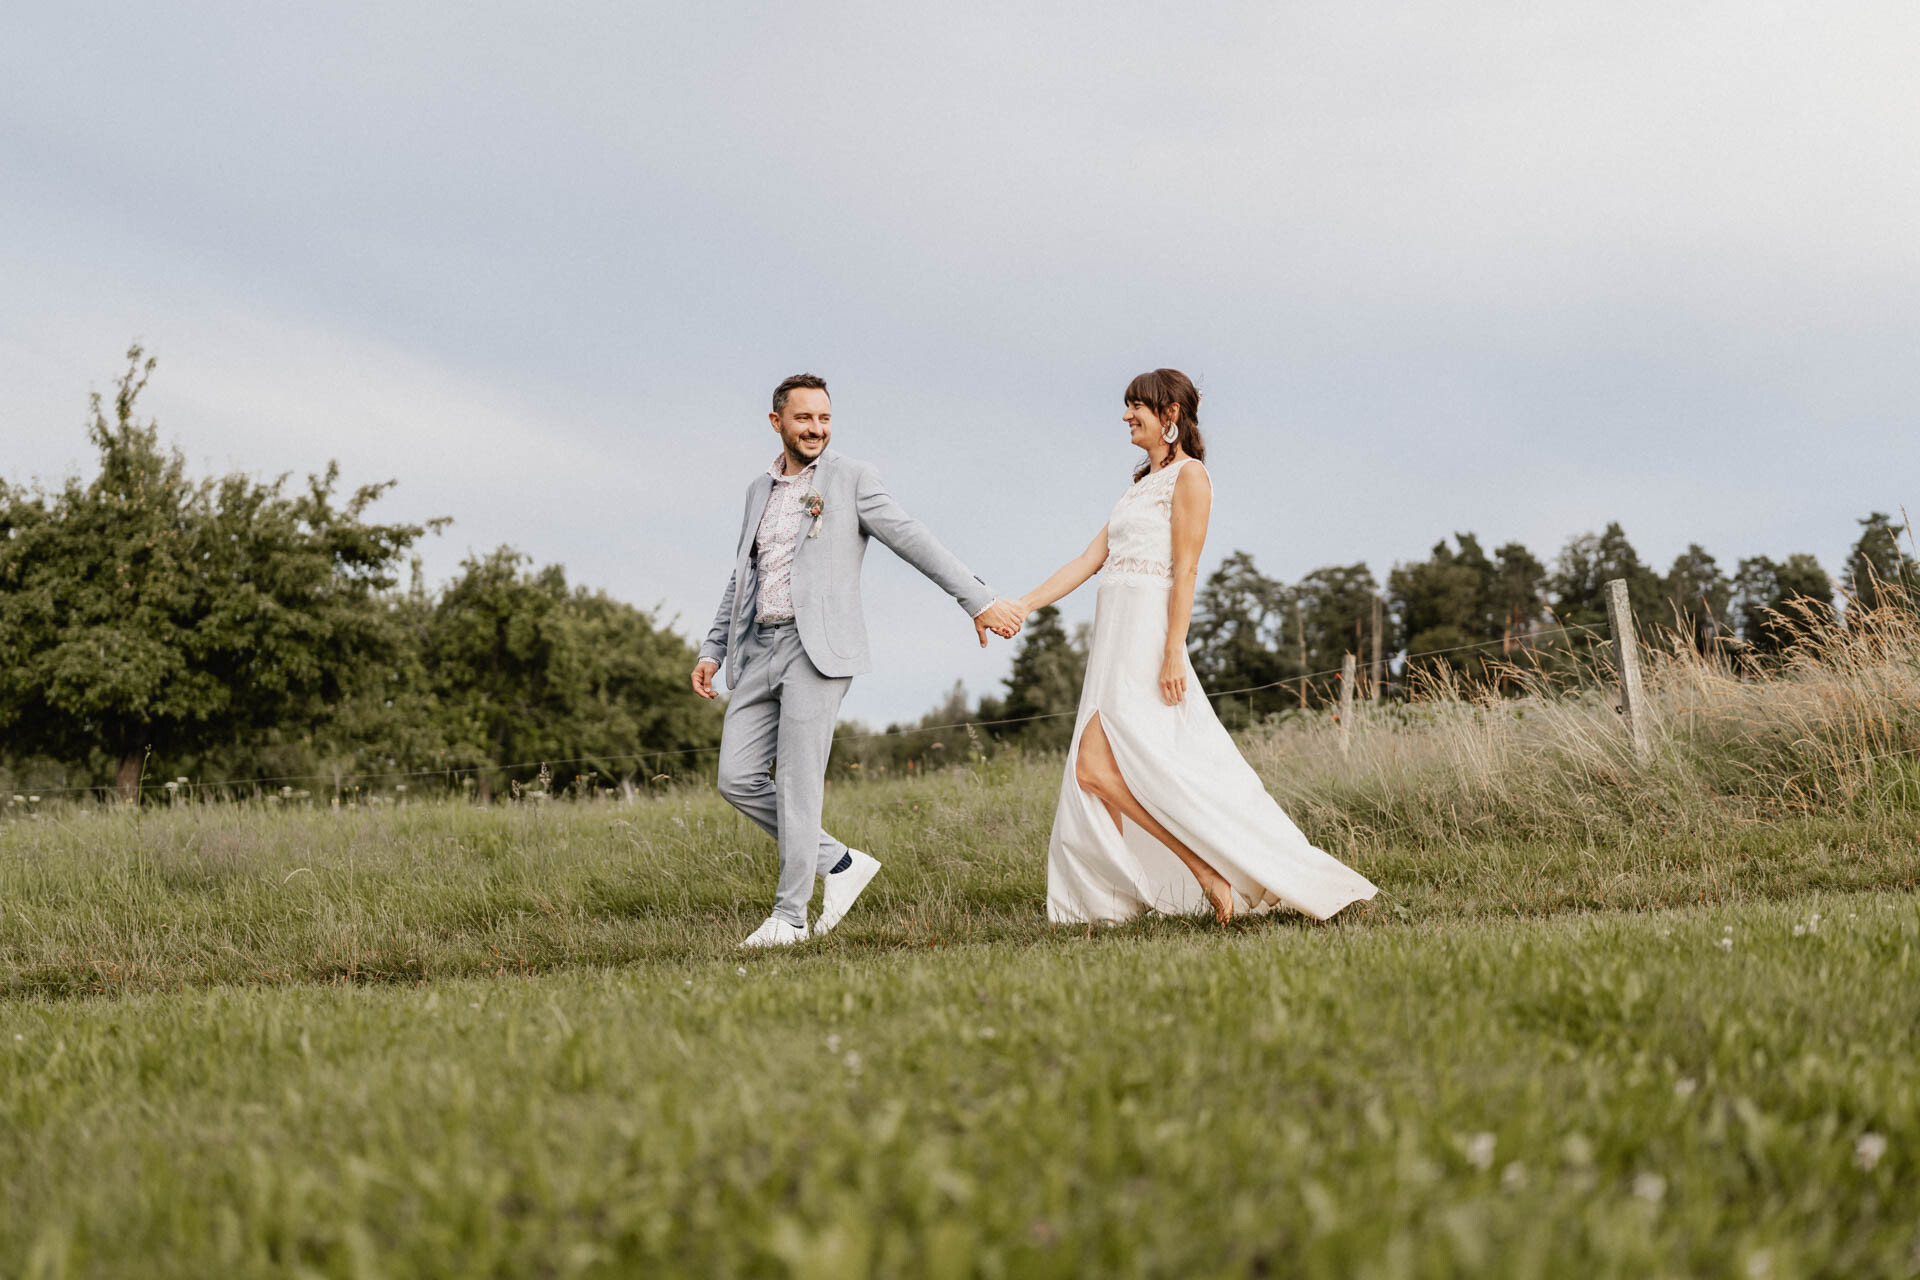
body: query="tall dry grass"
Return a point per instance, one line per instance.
(1830, 727)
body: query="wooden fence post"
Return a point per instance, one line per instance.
(1626, 657)
(1346, 703)
(1379, 671)
(1300, 630)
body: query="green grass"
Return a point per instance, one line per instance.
(98, 902)
(451, 1041)
(1163, 1100)
(1611, 1015)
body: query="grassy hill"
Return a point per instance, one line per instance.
(1609, 1016)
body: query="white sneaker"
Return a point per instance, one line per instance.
(775, 933)
(844, 887)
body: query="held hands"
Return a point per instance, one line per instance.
(703, 677)
(1173, 679)
(1003, 618)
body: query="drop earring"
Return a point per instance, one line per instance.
(1170, 432)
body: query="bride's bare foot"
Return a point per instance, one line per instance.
(1220, 894)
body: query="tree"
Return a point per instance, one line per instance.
(1335, 610)
(1239, 640)
(1878, 574)
(945, 735)
(523, 669)
(1446, 606)
(1468, 612)
(1771, 600)
(1045, 681)
(1518, 596)
(146, 610)
(1699, 600)
(1579, 584)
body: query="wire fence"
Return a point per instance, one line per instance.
(657, 759)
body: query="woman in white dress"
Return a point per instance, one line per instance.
(1158, 811)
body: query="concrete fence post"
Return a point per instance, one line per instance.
(1347, 672)
(1626, 658)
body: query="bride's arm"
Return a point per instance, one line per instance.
(1192, 504)
(1067, 578)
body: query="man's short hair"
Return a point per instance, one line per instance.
(798, 380)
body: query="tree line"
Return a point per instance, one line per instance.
(1264, 647)
(154, 625)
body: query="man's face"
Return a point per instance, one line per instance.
(804, 425)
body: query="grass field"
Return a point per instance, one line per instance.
(1607, 1017)
(444, 1040)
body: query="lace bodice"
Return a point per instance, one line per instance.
(1140, 530)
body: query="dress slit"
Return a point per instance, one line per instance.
(1073, 763)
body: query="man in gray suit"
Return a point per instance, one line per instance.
(792, 636)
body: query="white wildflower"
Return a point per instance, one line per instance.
(1513, 1177)
(1760, 1264)
(742, 971)
(1479, 1151)
(1813, 924)
(988, 1033)
(852, 1060)
(833, 1042)
(1726, 944)
(1868, 1151)
(1799, 931)
(1650, 1187)
(1684, 1087)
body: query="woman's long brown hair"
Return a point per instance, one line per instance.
(1160, 391)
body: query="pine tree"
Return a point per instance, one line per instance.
(1446, 606)
(1045, 681)
(1239, 640)
(1579, 585)
(1774, 599)
(1879, 574)
(1335, 609)
(1699, 600)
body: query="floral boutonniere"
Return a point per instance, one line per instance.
(813, 504)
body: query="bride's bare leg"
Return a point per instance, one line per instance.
(1098, 774)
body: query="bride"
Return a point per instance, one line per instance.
(1158, 812)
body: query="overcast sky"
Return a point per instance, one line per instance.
(1519, 269)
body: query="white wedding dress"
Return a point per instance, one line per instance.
(1177, 760)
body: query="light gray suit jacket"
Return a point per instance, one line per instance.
(855, 506)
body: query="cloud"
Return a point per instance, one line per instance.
(1491, 267)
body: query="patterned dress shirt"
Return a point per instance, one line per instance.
(782, 525)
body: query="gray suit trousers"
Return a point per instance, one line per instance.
(782, 709)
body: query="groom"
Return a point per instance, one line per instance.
(792, 636)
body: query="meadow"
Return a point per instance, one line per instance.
(1610, 1015)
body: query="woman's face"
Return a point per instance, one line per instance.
(1143, 424)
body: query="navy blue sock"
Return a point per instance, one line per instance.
(846, 860)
